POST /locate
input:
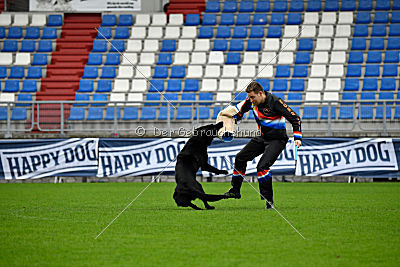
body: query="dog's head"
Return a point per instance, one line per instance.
(208, 132)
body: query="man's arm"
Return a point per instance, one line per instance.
(292, 117)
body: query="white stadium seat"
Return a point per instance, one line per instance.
(185, 45)
(5, 19)
(340, 44)
(332, 84)
(22, 59)
(38, 20)
(195, 71)
(202, 45)
(6, 98)
(198, 58)
(139, 85)
(315, 84)
(268, 58)
(209, 85)
(223, 97)
(154, 32)
(285, 58)
(336, 71)
(323, 44)
(175, 19)
(345, 18)
(125, 72)
(318, 71)
(117, 97)
(6, 58)
(143, 72)
(159, 19)
(328, 18)
(129, 59)
(250, 58)
(121, 85)
(142, 20)
(343, 31)
(325, 31)
(216, 57)
(226, 85)
(311, 18)
(189, 32)
(338, 57)
(138, 33)
(134, 46)
(212, 71)
(172, 32)
(181, 58)
(265, 71)
(291, 31)
(320, 57)
(247, 71)
(135, 97)
(288, 44)
(151, 45)
(21, 19)
(271, 44)
(229, 71)
(312, 96)
(308, 31)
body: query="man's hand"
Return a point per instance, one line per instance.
(297, 143)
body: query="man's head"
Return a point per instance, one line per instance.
(255, 92)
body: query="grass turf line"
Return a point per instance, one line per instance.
(55, 224)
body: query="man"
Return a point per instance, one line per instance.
(270, 113)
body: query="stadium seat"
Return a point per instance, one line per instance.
(295, 97)
(190, 97)
(164, 59)
(305, 45)
(378, 30)
(45, 46)
(246, 6)
(178, 72)
(99, 46)
(212, 7)
(191, 85)
(296, 85)
(103, 86)
(108, 72)
(169, 98)
(109, 20)
(381, 17)
(351, 84)
(209, 19)
(233, 58)
(16, 72)
(360, 31)
(192, 19)
(377, 43)
(163, 114)
(121, 32)
(160, 72)
(134, 99)
(117, 46)
(206, 32)
(95, 59)
(256, 32)
(388, 84)
(27, 46)
(239, 32)
(130, 113)
(38, 20)
(294, 19)
(365, 5)
(11, 86)
(85, 86)
(243, 19)
(229, 7)
(302, 58)
(227, 19)
(206, 96)
(370, 84)
(95, 113)
(277, 19)
(353, 71)
(282, 71)
(55, 20)
(274, 32)
(371, 70)
(49, 33)
(77, 113)
(315, 84)
(223, 32)
(310, 113)
(14, 33)
(3, 72)
(125, 20)
(332, 5)
(113, 113)
(391, 57)
(10, 46)
(98, 98)
(260, 19)
(184, 113)
(82, 97)
(366, 112)
(220, 45)
(279, 85)
(346, 112)
(389, 70)
(236, 45)
(104, 33)
(253, 45)
(393, 43)
(374, 57)
(19, 113)
(348, 5)
(172, 33)
(325, 113)
(174, 85)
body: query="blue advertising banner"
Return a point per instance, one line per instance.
(29, 159)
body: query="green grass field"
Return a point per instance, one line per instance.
(56, 224)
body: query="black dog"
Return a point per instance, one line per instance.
(189, 160)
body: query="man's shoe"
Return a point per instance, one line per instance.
(269, 206)
(233, 194)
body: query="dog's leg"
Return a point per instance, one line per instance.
(208, 206)
(193, 206)
(212, 198)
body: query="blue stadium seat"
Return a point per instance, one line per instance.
(356, 57)
(386, 96)
(95, 59)
(94, 113)
(302, 58)
(280, 95)
(76, 114)
(164, 59)
(45, 46)
(183, 113)
(16, 72)
(131, 113)
(18, 114)
(212, 6)
(14, 33)
(257, 32)
(10, 46)
(243, 19)
(280, 6)
(306, 44)
(310, 113)
(171, 98)
(236, 45)
(348, 5)
(82, 97)
(28, 46)
(178, 72)
(121, 32)
(378, 30)
(2, 32)
(29, 86)
(117, 46)
(3, 72)
(389, 70)
(294, 19)
(314, 5)
(380, 110)
(351, 84)
(55, 20)
(153, 97)
(394, 29)
(90, 72)
(359, 44)
(246, 6)
(282, 71)
(353, 71)
(34, 72)
(85, 86)
(232, 58)
(104, 33)
(97, 98)
(346, 112)
(365, 5)
(39, 59)
(206, 32)
(220, 45)
(296, 85)
(22, 98)
(274, 32)
(395, 16)
(240, 96)
(300, 71)
(103, 86)
(396, 112)
(295, 97)
(192, 19)
(191, 85)
(156, 86)
(209, 19)
(360, 30)
(370, 84)
(279, 85)
(229, 7)
(202, 112)
(377, 43)
(239, 32)
(260, 19)
(363, 18)
(223, 32)
(108, 72)
(264, 83)
(366, 112)
(296, 6)
(125, 20)
(32, 33)
(382, 5)
(216, 110)
(381, 17)
(174, 85)
(277, 19)
(11, 86)
(227, 19)
(396, 5)
(110, 113)
(253, 45)
(374, 57)
(262, 6)
(49, 33)
(332, 5)
(99, 46)
(371, 70)
(109, 20)
(163, 114)
(160, 72)
(367, 96)
(188, 97)
(393, 43)
(388, 84)
(325, 113)
(206, 96)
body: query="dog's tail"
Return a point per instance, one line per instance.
(212, 198)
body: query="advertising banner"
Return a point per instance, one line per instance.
(84, 5)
